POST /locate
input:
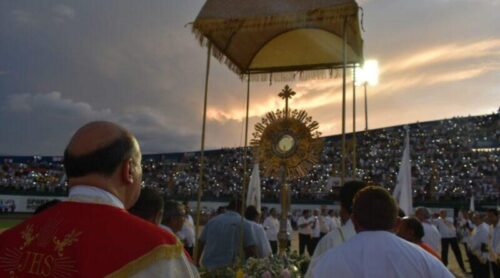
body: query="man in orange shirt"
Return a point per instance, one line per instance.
(412, 230)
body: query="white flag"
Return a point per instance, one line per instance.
(253, 195)
(403, 191)
(471, 206)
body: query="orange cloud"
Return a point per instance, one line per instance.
(425, 68)
(443, 54)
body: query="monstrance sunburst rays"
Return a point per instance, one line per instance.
(289, 139)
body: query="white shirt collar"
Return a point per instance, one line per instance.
(92, 194)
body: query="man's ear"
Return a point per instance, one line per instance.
(127, 171)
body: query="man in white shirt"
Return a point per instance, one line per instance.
(324, 222)
(333, 222)
(375, 251)
(432, 237)
(272, 227)
(448, 237)
(315, 232)
(338, 235)
(263, 246)
(494, 246)
(478, 244)
(304, 223)
(186, 234)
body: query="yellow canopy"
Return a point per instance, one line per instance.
(264, 36)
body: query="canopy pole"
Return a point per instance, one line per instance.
(197, 252)
(343, 100)
(366, 109)
(354, 123)
(245, 174)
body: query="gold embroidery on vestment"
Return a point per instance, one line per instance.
(28, 236)
(158, 253)
(67, 241)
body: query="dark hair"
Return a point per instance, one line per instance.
(424, 212)
(374, 209)
(47, 205)
(234, 204)
(251, 213)
(401, 213)
(415, 226)
(347, 193)
(171, 210)
(148, 205)
(102, 161)
(493, 211)
(221, 209)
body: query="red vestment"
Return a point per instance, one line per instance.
(76, 239)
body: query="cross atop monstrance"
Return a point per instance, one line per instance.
(286, 94)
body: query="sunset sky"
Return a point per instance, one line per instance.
(64, 63)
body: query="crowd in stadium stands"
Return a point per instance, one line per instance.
(451, 159)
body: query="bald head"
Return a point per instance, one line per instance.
(107, 156)
(93, 136)
(98, 148)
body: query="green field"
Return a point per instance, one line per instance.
(7, 223)
(12, 219)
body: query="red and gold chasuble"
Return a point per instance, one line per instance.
(76, 239)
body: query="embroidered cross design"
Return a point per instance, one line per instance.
(68, 240)
(27, 236)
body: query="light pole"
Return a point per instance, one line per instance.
(367, 75)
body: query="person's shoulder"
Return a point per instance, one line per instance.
(257, 227)
(249, 224)
(333, 234)
(332, 239)
(142, 227)
(331, 251)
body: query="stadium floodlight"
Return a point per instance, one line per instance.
(367, 75)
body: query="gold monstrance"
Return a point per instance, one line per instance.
(287, 146)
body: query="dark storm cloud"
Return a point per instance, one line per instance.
(134, 62)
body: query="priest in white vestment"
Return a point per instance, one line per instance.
(375, 251)
(339, 234)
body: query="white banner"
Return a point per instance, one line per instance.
(23, 203)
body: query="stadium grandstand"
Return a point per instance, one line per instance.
(452, 160)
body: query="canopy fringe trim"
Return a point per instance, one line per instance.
(293, 76)
(315, 16)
